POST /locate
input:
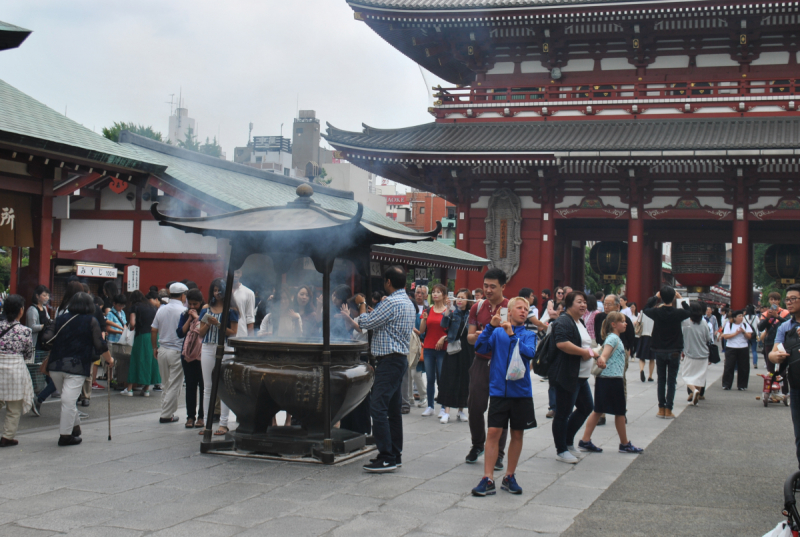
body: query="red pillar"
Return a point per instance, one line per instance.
(462, 239)
(740, 260)
(14, 270)
(633, 285)
(647, 270)
(547, 250)
(568, 276)
(39, 260)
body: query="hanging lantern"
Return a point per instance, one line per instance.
(698, 266)
(782, 263)
(610, 260)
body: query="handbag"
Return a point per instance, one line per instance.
(47, 344)
(454, 347)
(639, 326)
(596, 369)
(713, 353)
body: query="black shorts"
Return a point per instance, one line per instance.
(516, 410)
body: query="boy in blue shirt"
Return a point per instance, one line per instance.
(510, 401)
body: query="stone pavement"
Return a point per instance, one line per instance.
(718, 470)
(151, 480)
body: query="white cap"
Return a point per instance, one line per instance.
(177, 288)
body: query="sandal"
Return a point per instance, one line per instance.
(199, 424)
(189, 423)
(220, 432)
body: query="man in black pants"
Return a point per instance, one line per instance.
(667, 346)
(392, 322)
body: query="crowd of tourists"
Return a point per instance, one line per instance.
(464, 352)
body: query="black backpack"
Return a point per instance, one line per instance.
(545, 355)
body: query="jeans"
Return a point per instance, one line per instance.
(193, 373)
(385, 404)
(47, 391)
(551, 396)
(754, 350)
(794, 403)
(433, 370)
(667, 364)
(736, 359)
(566, 422)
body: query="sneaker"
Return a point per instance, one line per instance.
(696, 397)
(641, 376)
(498, 465)
(157, 388)
(550, 414)
(726, 388)
(575, 452)
(474, 453)
(145, 393)
(566, 456)
(96, 386)
(405, 410)
(484, 488)
(82, 415)
(630, 448)
(742, 389)
(668, 415)
(428, 412)
(660, 412)
(380, 466)
(509, 484)
(397, 461)
(422, 404)
(650, 379)
(37, 406)
(442, 412)
(601, 421)
(444, 418)
(55, 395)
(589, 447)
(461, 416)
(126, 392)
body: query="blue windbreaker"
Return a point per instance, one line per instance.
(501, 347)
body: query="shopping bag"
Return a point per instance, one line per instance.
(516, 367)
(781, 530)
(127, 336)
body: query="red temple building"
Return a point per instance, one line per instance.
(631, 121)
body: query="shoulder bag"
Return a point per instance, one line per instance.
(596, 369)
(639, 325)
(454, 347)
(127, 336)
(47, 344)
(713, 353)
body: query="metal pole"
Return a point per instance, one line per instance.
(223, 326)
(326, 356)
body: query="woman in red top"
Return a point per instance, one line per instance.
(435, 344)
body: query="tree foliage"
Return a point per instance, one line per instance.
(112, 133)
(212, 149)
(190, 141)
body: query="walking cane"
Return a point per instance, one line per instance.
(108, 387)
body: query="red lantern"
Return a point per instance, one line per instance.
(698, 266)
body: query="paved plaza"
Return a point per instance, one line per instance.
(718, 463)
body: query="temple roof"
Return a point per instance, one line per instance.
(481, 5)
(561, 138)
(25, 123)
(12, 36)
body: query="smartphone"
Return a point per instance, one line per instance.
(205, 318)
(450, 295)
(773, 307)
(504, 314)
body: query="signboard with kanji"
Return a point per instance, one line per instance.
(133, 277)
(15, 220)
(93, 271)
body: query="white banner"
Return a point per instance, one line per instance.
(133, 278)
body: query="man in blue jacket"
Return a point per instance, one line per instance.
(510, 401)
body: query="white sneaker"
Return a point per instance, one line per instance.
(145, 393)
(444, 419)
(126, 392)
(428, 412)
(461, 416)
(577, 454)
(566, 456)
(442, 412)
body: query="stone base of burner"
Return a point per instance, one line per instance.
(280, 441)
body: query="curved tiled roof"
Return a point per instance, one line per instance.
(445, 5)
(559, 136)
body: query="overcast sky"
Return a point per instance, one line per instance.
(235, 62)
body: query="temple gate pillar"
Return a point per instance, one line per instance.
(462, 238)
(16, 252)
(633, 282)
(741, 258)
(547, 249)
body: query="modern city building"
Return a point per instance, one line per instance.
(639, 123)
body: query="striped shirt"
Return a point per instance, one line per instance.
(392, 323)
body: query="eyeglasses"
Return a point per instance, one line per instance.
(789, 299)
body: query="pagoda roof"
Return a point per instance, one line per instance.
(482, 5)
(640, 137)
(12, 36)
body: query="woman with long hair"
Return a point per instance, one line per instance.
(342, 324)
(282, 322)
(643, 351)
(210, 319)
(143, 367)
(78, 339)
(435, 345)
(696, 339)
(454, 384)
(73, 288)
(305, 301)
